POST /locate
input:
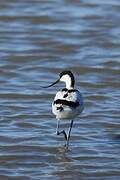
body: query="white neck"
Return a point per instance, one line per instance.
(68, 84)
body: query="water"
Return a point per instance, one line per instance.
(38, 40)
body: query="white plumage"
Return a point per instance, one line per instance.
(68, 111)
(68, 102)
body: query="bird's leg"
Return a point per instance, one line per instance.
(68, 137)
(60, 132)
(57, 130)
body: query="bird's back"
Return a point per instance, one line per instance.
(67, 104)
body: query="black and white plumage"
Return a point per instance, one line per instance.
(68, 102)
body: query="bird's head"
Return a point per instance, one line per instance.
(67, 77)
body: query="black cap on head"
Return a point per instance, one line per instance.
(66, 73)
(69, 73)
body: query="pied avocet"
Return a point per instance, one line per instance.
(68, 102)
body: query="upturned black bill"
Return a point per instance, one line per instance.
(51, 84)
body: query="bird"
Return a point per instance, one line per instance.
(68, 102)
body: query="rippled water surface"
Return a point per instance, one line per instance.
(38, 40)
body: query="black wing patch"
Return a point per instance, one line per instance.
(64, 89)
(69, 90)
(65, 95)
(72, 90)
(67, 103)
(60, 108)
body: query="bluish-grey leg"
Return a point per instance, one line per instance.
(69, 132)
(60, 132)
